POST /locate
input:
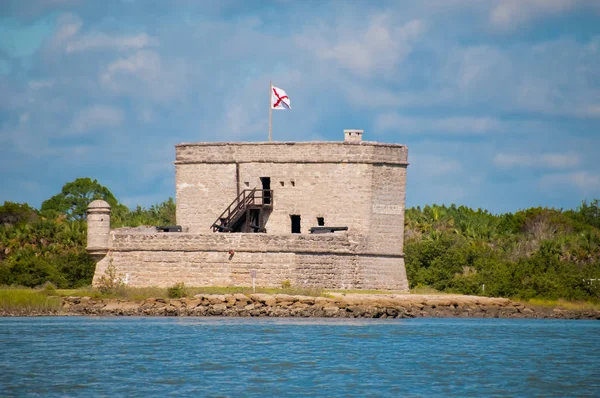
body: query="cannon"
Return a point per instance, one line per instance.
(326, 230)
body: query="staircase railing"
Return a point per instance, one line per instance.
(247, 198)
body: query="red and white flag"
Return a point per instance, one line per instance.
(279, 99)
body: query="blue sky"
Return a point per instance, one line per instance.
(498, 101)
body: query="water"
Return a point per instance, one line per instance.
(81, 356)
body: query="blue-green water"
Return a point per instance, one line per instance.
(286, 357)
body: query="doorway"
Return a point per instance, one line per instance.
(295, 224)
(266, 187)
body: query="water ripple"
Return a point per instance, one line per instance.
(297, 357)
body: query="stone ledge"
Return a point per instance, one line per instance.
(289, 143)
(338, 243)
(293, 152)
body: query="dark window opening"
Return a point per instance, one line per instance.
(266, 186)
(282, 183)
(254, 224)
(295, 224)
(293, 183)
(321, 221)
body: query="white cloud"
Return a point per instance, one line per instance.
(546, 160)
(451, 125)
(474, 75)
(588, 110)
(68, 26)
(144, 63)
(97, 117)
(145, 74)
(586, 182)
(39, 84)
(431, 166)
(511, 13)
(104, 41)
(381, 47)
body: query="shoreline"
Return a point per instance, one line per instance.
(338, 305)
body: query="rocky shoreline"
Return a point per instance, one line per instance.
(338, 305)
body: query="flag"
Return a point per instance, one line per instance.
(279, 99)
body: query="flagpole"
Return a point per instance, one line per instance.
(270, 112)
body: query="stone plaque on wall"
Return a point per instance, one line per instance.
(387, 209)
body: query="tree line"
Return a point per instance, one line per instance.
(533, 253)
(48, 244)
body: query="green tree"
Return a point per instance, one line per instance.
(74, 198)
(15, 213)
(160, 214)
(590, 213)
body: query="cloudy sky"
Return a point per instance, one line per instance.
(498, 101)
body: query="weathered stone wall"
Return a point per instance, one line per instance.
(339, 242)
(334, 261)
(354, 184)
(203, 191)
(386, 230)
(338, 192)
(345, 183)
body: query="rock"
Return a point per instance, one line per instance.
(242, 298)
(345, 305)
(170, 310)
(330, 311)
(199, 311)
(230, 300)
(217, 309)
(265, 299)
(323, 302)
(285, 299)
(176, 303)
(191, 303)
(299, 305)
(305, 299)
(216, 299)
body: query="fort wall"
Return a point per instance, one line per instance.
(354, 184)
(336, 261)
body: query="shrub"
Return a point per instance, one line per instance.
(177, 291)
(286, 284)
(49, 289)
(111, 282)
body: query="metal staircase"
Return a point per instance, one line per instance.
(245, 213)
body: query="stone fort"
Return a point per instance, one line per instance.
(316, 214)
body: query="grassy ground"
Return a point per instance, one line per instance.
(569, 305)
(425, 290)
(30, 300)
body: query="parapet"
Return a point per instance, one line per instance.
(291, 152)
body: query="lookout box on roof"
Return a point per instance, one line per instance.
(353, 135)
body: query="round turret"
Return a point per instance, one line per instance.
(98, 219)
